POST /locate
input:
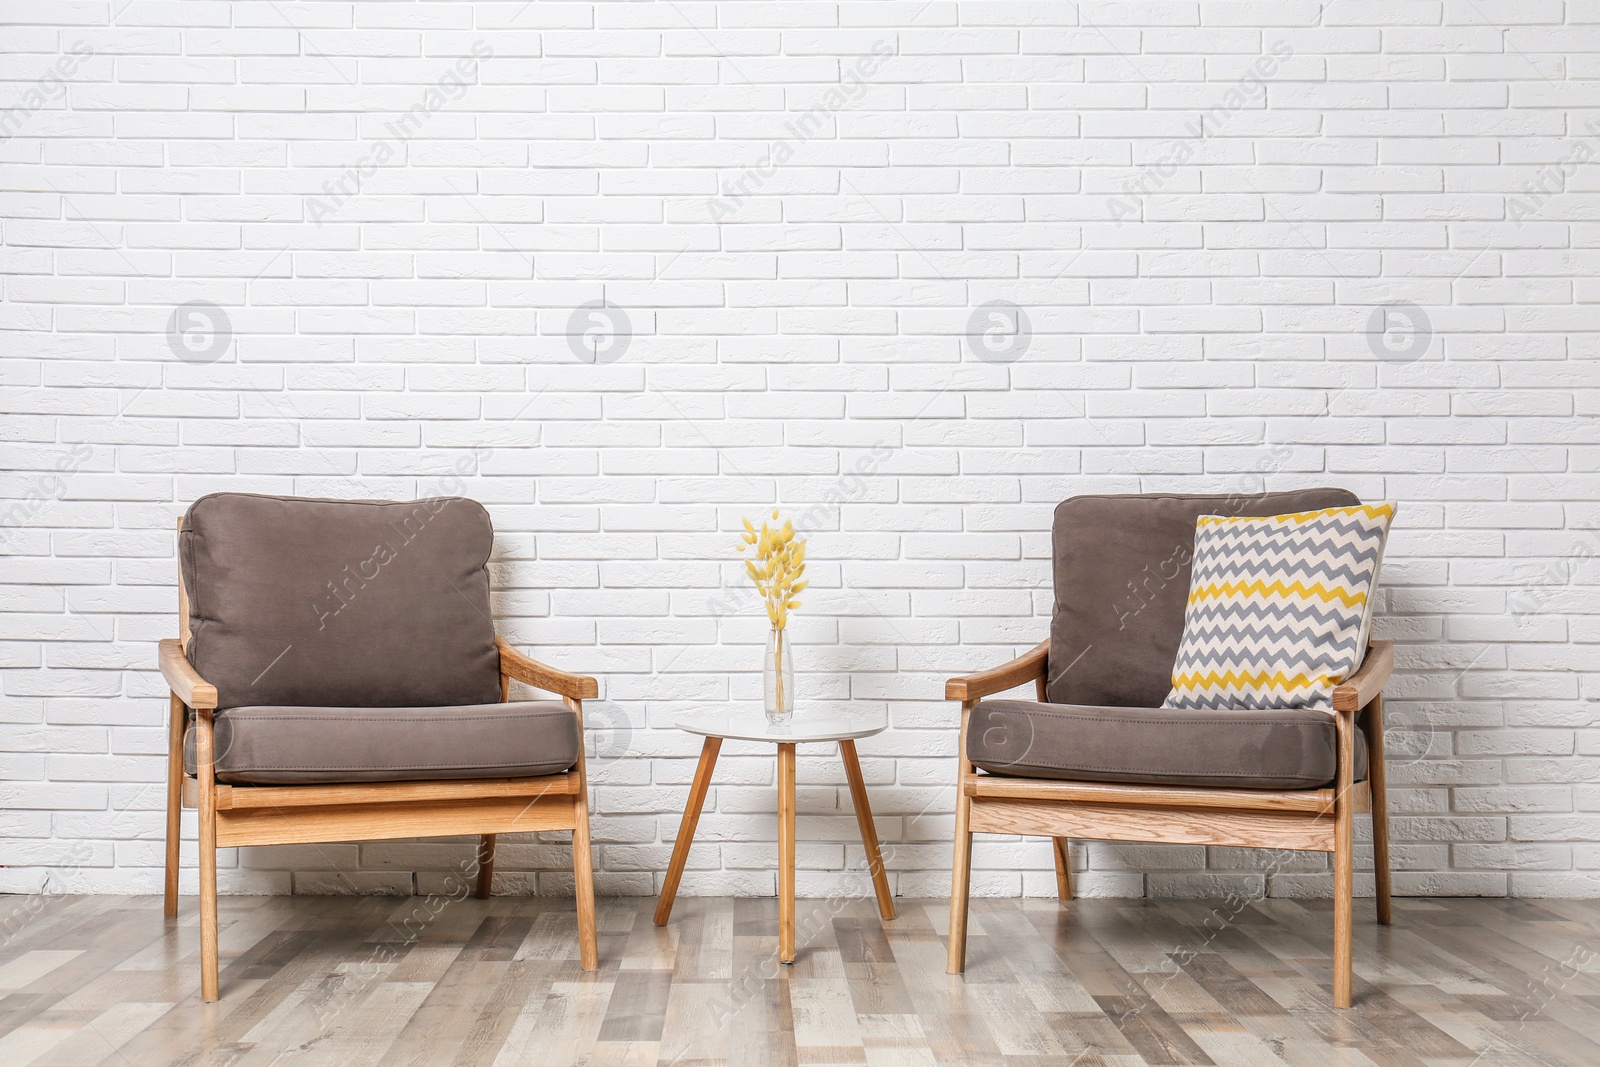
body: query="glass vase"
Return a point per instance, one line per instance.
(778, 676)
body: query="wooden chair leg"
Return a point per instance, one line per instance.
(1376, 776)
(1344, 867)
(960, 887)
(582, 854)
(1058, 848)
(175, 726)
(1343, 923)
(485, 866)
(583, 884)
(210, 989)
(961, 864)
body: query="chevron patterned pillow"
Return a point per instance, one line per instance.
(1279, 608)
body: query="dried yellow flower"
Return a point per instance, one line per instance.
(782, 563)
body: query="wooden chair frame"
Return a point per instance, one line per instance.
(233, 816)
(1312, 820)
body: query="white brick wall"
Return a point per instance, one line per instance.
(800, 208)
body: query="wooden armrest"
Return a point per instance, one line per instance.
(185, 681)
(1025, 668)
(1358, 690)
(543, 676)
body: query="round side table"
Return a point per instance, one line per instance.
(716, 726)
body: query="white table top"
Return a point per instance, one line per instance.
(803, 726)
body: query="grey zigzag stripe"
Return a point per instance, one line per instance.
(1214, 642)
(1325, 554)
(1246, 571)
(1289, 661)
(1281, 612)
(1300, 540)
(1221, 632)
(1247, 700)
(1295, 538)
(1223, 638)
(1365, 548)
(1334, 564)
(1313, 532)
(1220, 636)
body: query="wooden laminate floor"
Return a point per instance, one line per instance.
(395, 981)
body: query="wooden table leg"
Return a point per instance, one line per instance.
(691, 818)
(869, 833)
(785, 853)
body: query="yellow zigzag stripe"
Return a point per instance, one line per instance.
(1251, 680)
(1296, 590)
(1371, 511)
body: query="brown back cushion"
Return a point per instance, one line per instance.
(1122, 580)
(351, 603)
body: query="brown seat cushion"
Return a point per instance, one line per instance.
(1121, 583)
(340, 603)
(303, 745)
(1229, 748)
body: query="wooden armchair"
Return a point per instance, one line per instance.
(327, 690)
(1086, 759)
